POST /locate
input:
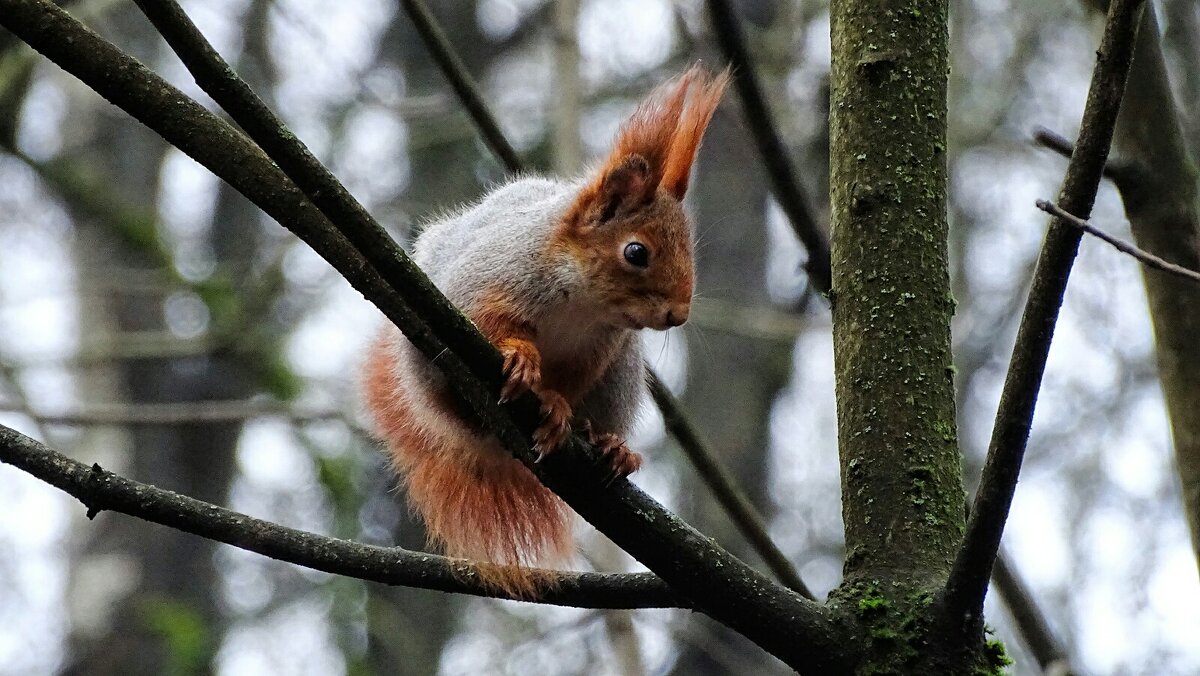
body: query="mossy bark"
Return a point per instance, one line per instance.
(903, 499)
(892, 305)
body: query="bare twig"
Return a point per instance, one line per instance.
(181, 413)
(963, 596)
(784, 183)
(1147, 258)
(460, 79)
(1046, 649)
(1051, 139)
(100, 490)
(726, 490)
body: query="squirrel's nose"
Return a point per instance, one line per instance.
(678, 314)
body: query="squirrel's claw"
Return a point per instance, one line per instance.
(556, 423)
(621, 461)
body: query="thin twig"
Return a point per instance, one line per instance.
(1148, 259)
(732, 498)
(460, 79)
(1030, 621)
(785, 185)
(965, 589)
(179, 413)
(100, 490)
(1051, 139)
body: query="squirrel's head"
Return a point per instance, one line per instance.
(626, 228)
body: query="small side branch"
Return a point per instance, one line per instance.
(460, 79)
(784, 183)
(739, 508)
(962, 598)
(100, 490)
(1030, 621)
(1051, 139)
(1148, 259)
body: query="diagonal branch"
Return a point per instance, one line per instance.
(460, 80)
(732, 498)
(784, 183)
(963, 596)
(101, 490)
(1031, 623)
(782, 622)
(1147, 258)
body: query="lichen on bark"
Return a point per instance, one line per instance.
(903, 496)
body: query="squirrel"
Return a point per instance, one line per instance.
(559, 275)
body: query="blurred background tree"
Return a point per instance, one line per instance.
(133, 298)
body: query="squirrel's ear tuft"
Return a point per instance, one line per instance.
(702, 101)
(656, 147)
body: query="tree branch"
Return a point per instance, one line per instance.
(461, 81)
(1160, 199)
(785, 185)
(782, 622)
(963, 595)
(732, 498)
(1051, 139)
(1031, 623)
(1147, 258)
(100, 490)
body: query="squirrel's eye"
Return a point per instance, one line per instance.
(637, 254)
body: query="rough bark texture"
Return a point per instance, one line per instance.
(1158, 187)
(902, 491)
(891, 292)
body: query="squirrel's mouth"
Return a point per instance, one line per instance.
(632, 321)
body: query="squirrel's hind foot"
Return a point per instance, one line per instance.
(616, 454)
(556, 423)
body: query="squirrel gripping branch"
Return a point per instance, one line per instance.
(559, 275)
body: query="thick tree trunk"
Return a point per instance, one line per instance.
(902, 491)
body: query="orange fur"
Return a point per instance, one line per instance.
(476, 500)
(665, 131)
(701, 104)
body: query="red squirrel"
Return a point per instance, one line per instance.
(559, 275)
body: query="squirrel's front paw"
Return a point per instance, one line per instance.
(556, 423)
(522, 368)
(618, 456)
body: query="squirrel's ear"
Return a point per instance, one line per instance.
(655, 147)
(625, 184)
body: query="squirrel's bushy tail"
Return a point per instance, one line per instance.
(477, 501)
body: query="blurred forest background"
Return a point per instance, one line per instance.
(153, 321)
